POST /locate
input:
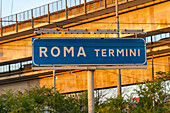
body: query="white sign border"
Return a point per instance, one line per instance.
(88, 67)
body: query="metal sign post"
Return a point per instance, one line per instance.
(54, 80)
(90, 74)
(119, 71)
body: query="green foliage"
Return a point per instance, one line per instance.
(153, 95)
(153, 99)
(113, 105)
(7, 101)
(38, 100)
(82, 101)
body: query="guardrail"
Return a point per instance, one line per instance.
(50, 12)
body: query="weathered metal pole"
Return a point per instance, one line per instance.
(90, 74)
(85, 9)
(152, 58)
(118, 36)
(48, 7)
(32, 18)
(54, 79)
(66, 9)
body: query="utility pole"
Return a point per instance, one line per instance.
(118, 36)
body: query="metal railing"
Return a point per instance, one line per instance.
(14, 66)
(49, 12)
(157, 37)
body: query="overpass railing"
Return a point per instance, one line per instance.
(49, 13)
(15, 65)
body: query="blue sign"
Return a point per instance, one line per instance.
(88, 52)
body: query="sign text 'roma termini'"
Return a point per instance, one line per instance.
(90, 52)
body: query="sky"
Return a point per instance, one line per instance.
(21, 5)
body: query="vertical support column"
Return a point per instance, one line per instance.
(66, 9)
(152, 59)
(85, 9)
(1, 27)
(117, 17)
(16, 23)
(119, 82)
(90, 74)
(152, 68)
(24, 16)
(105, 4)
(152, 71)
(20, 66)
(48, 13)
(32, 19)
(54, 80)
(79, 4)
(8, 20)
(89, 7)
(40, 11)
(57, 8)
(119, 71)
(57, 5)
(9, 68)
